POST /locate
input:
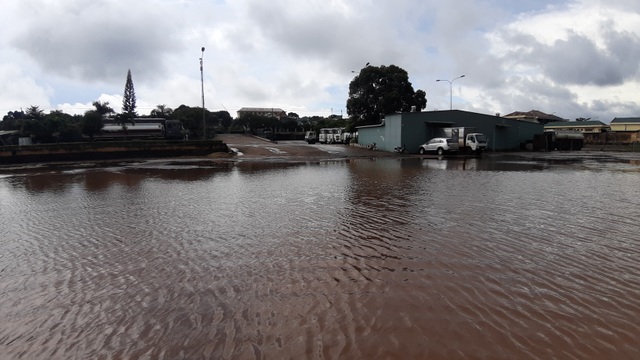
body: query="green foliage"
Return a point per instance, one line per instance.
(92, 123)
(50, 128)
(377, 91)
(191, 118)
(289, 124)
(224, 118)
(71, 130)
(129, 98)
(161, 111)
(330, 122)
(12, 121)
(252, 122)
(34, 112)
(63, 127)
(103, 108)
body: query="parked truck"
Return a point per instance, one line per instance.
(311, 137)
(335, 136)
(565, 140)
(469, 141)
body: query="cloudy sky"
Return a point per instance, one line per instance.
(572, 58)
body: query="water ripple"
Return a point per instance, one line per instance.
(366, 259)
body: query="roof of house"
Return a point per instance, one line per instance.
(260, 109)
(533, 114)
(8, 132)
(626, 120)
(588, 123)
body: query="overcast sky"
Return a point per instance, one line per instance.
(573, 58)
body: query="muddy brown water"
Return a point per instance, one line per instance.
(493, 258)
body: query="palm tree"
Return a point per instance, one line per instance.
(103, 108)
(161, 110)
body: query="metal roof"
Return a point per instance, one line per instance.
(588, 123)
(626, 120)
(533, 114)
(260, 109)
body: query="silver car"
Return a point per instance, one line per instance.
(439, 146)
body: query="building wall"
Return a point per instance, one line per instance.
(625, 126)
(371, 134)
(612, 138)
(585, 127)
(582, 129)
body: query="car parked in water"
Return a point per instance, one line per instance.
(439, 146)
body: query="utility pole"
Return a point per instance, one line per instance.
(204, 126)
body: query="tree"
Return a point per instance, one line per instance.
(252, 122)
(103, 108)
(34, 112)
(129, 98)
(377, 91)
(191, 118)
(224, 118)
(161, 110)
(60, 127)
(68, 127)
(34, 125)
(13, 120)
(92, 123)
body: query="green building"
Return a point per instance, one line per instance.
(414, 128)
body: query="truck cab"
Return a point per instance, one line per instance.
(311, 137)
(476, 142)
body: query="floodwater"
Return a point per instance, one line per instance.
(493, 258)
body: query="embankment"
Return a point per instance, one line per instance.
(108, 150)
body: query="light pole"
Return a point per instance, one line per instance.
(204, 126)
(451, 90)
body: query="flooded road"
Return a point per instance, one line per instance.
(502, 257)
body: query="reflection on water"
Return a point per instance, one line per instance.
(496, 257)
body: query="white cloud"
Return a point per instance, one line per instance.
(17, 90)
(570, 60)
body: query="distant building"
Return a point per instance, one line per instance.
(533, 116)
(585, 127)
(8, 137)
(272, 112)
(625, 124)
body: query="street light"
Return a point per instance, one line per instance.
(451, 90)
(204, 127)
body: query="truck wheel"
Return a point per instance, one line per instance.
(421, 151)
(440, 151)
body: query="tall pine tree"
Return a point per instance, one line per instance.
(129, 99)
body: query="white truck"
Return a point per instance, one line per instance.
(311, 137)
(469, 141)
(334, 136)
